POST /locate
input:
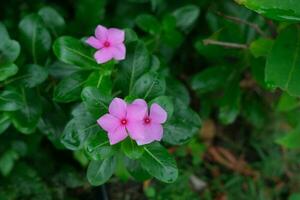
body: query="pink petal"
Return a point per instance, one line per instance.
(141, 102)
(115, 36)
(101, 33)
(108, 122)
(136, 130)
(158, 114)
(94, 42)
(136, 112)
(119, 51)
(118, 108)
(103, 55)
(118, 135)
(153, 132)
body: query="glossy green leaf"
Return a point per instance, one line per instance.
(148, 23)
(35, 37)
(10, 100)
(53, 20)
(95, 102)
(136, 63)
(69, 89)
(72, 51)
(282, 68)
(136, 171)
(176, 89)
(7, 161)
(100, 80)
(159, 163)
(149, 86)
(100, 171)
(97, 146)
(131, 149)
(186, 16)
(275, 9)
(7, 70)
(166, 103)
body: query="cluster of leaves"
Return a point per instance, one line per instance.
(218, 60)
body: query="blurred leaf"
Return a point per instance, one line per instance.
(186, 16)
(35, 37)
(32, 75)
(158, 162)
(148, 23)
(287, 103)
(53, 20)
(100, 171)
(282, 62)
(261, 47)
(294, 196)
(4, 122)
(10, 100)
(136, 171)
(291, 140)
(7, 161)
(7, 70)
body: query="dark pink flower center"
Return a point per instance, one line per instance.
(124, 121)
(147, 120)
(106, 44)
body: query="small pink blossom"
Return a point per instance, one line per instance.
(122, 120)
(109, 42)
(151, 123)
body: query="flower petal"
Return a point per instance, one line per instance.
(158, 114)
(115, 36)
(109, 122)
(118, 135)
(141, 102)
(153, 132)
(103, 55)
(118, 108)
(119, 51)
(136, 130)
(94, 42)
(136, 112)
(101, 33)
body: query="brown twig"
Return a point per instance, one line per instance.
(241, 21)
(225, 44)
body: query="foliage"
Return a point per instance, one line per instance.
(226, 73)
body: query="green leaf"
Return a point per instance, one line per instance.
(26, 118)
(95, 102)
(130, 35)
(100, 171)
(7, 161)
(98, 147)
(31, 75)
(72, 51)
(136, 171)
(53, 20)
(148, 23)
(4, 122)
(100, 80)
(131, 149)
(10, 100)
(261, 47)
(282, 68)
(291, 140)
(183, 125)
(210, 79)
(149, 86)
(279, 10)
(69, 89)
(35, 37)
(174, 88)
(3, 33)
(78, 130)
(7, 70)
(287, 103)
(186, 16)
(166, 103)
(294, 196)
(136, 63)
(159, 163)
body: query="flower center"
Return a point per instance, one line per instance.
(124, 121)
(147, 120)
(106, 44)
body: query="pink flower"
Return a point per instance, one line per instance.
(150, 123)
(122, 120)
(109, 43)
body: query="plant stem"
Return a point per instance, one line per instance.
(225, 44)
